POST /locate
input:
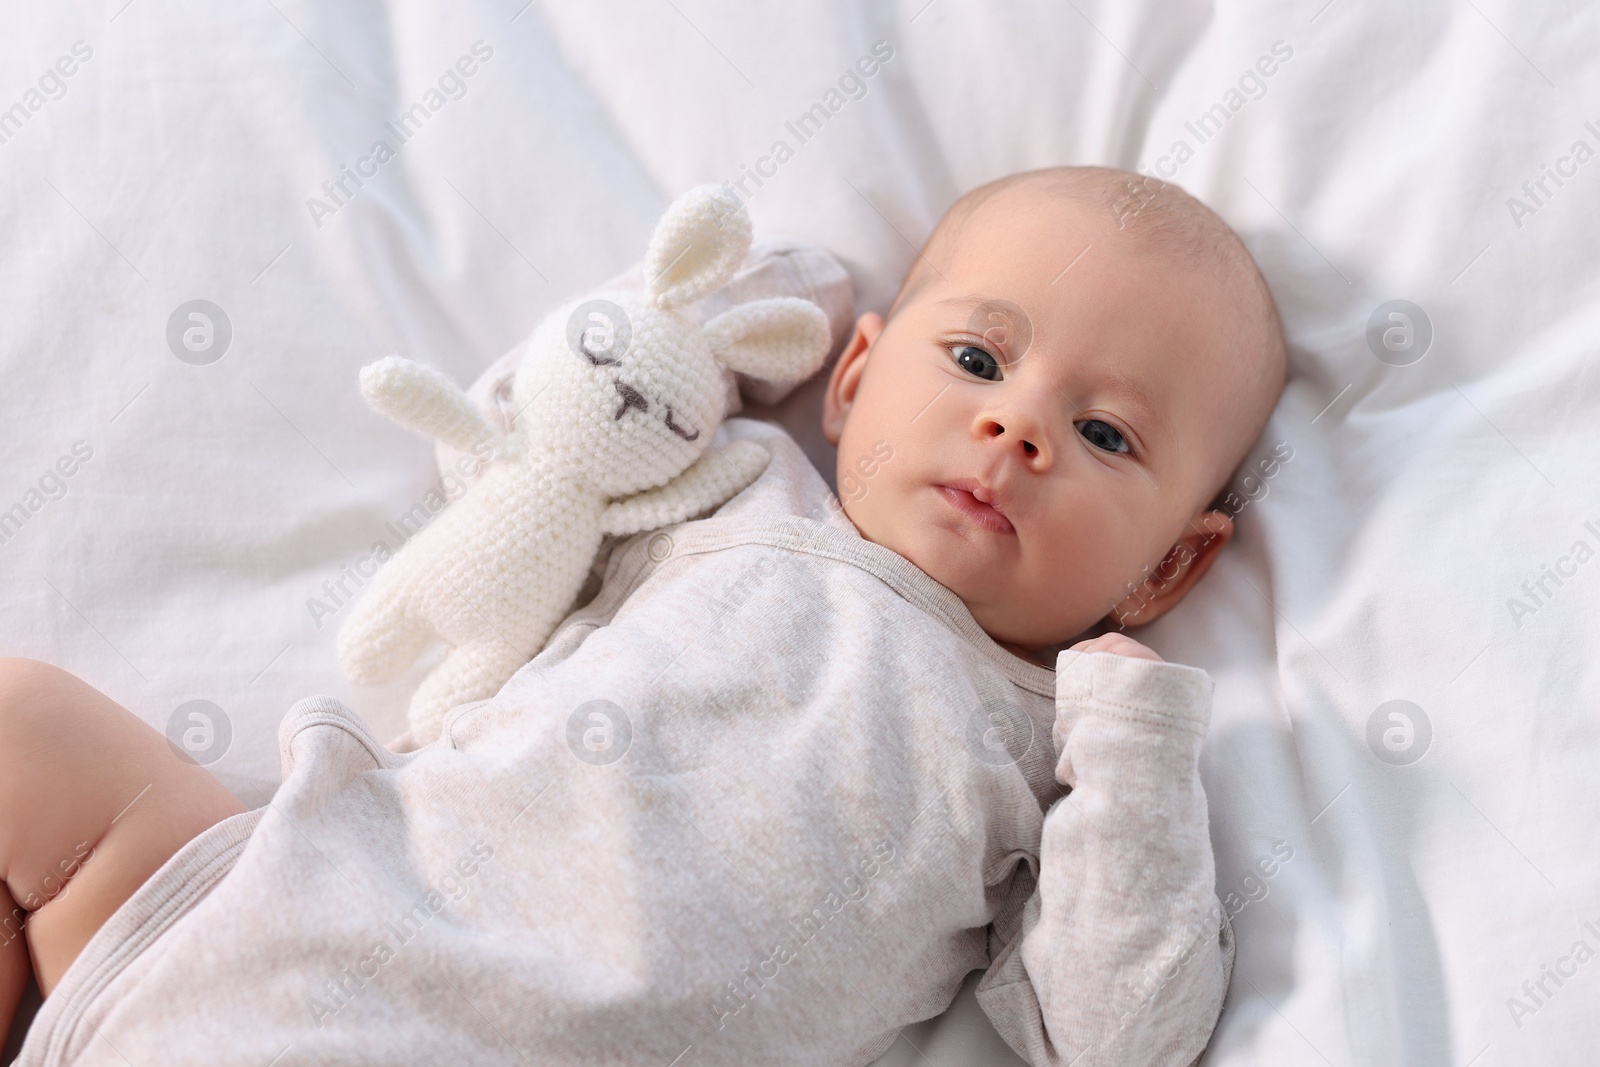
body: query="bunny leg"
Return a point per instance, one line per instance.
(469, 672)
(382, 638)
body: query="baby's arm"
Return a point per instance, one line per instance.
(1125, 953)
(716, 477)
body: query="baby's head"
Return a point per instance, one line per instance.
(1092, 353)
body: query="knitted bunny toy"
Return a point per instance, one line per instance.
(617, 398)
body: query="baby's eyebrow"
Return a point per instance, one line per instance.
(967, 301)
(998, 309)
(1142, 413)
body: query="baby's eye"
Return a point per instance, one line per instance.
(1103, 436)
(975, 360)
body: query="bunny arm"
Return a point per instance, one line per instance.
(709, 482)
(424, 400)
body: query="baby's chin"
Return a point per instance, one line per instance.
(936, 553)
(1002, 625)
(980, 587)
(961, 567)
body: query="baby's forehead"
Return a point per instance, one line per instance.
(1023, 211)
(1032, 252)
(1064, 211)
(1028, 273)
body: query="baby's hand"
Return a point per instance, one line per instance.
(1117, 645)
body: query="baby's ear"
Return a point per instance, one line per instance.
(784, 339)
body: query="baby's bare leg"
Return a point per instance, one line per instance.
(14, 965)
(92, 802)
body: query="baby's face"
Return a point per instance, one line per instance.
(1052, 405)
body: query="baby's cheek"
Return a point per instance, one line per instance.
(867, 502)
(859, 470)
(1076, 601)
(852, 487)
(1084, 575)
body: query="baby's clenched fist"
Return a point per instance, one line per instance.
(1117, 645)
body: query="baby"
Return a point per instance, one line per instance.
(794, 772)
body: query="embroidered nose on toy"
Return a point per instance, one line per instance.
(631, 398)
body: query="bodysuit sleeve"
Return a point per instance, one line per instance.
(1124, 953)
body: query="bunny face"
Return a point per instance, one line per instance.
(624, 393)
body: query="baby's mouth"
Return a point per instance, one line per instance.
(984, 515)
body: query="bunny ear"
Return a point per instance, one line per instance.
(697, 246)
(784, 339)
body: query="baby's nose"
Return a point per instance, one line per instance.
(1019, 431)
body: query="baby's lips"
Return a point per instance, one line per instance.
(984, 514)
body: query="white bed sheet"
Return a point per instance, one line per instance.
(1384, 561)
